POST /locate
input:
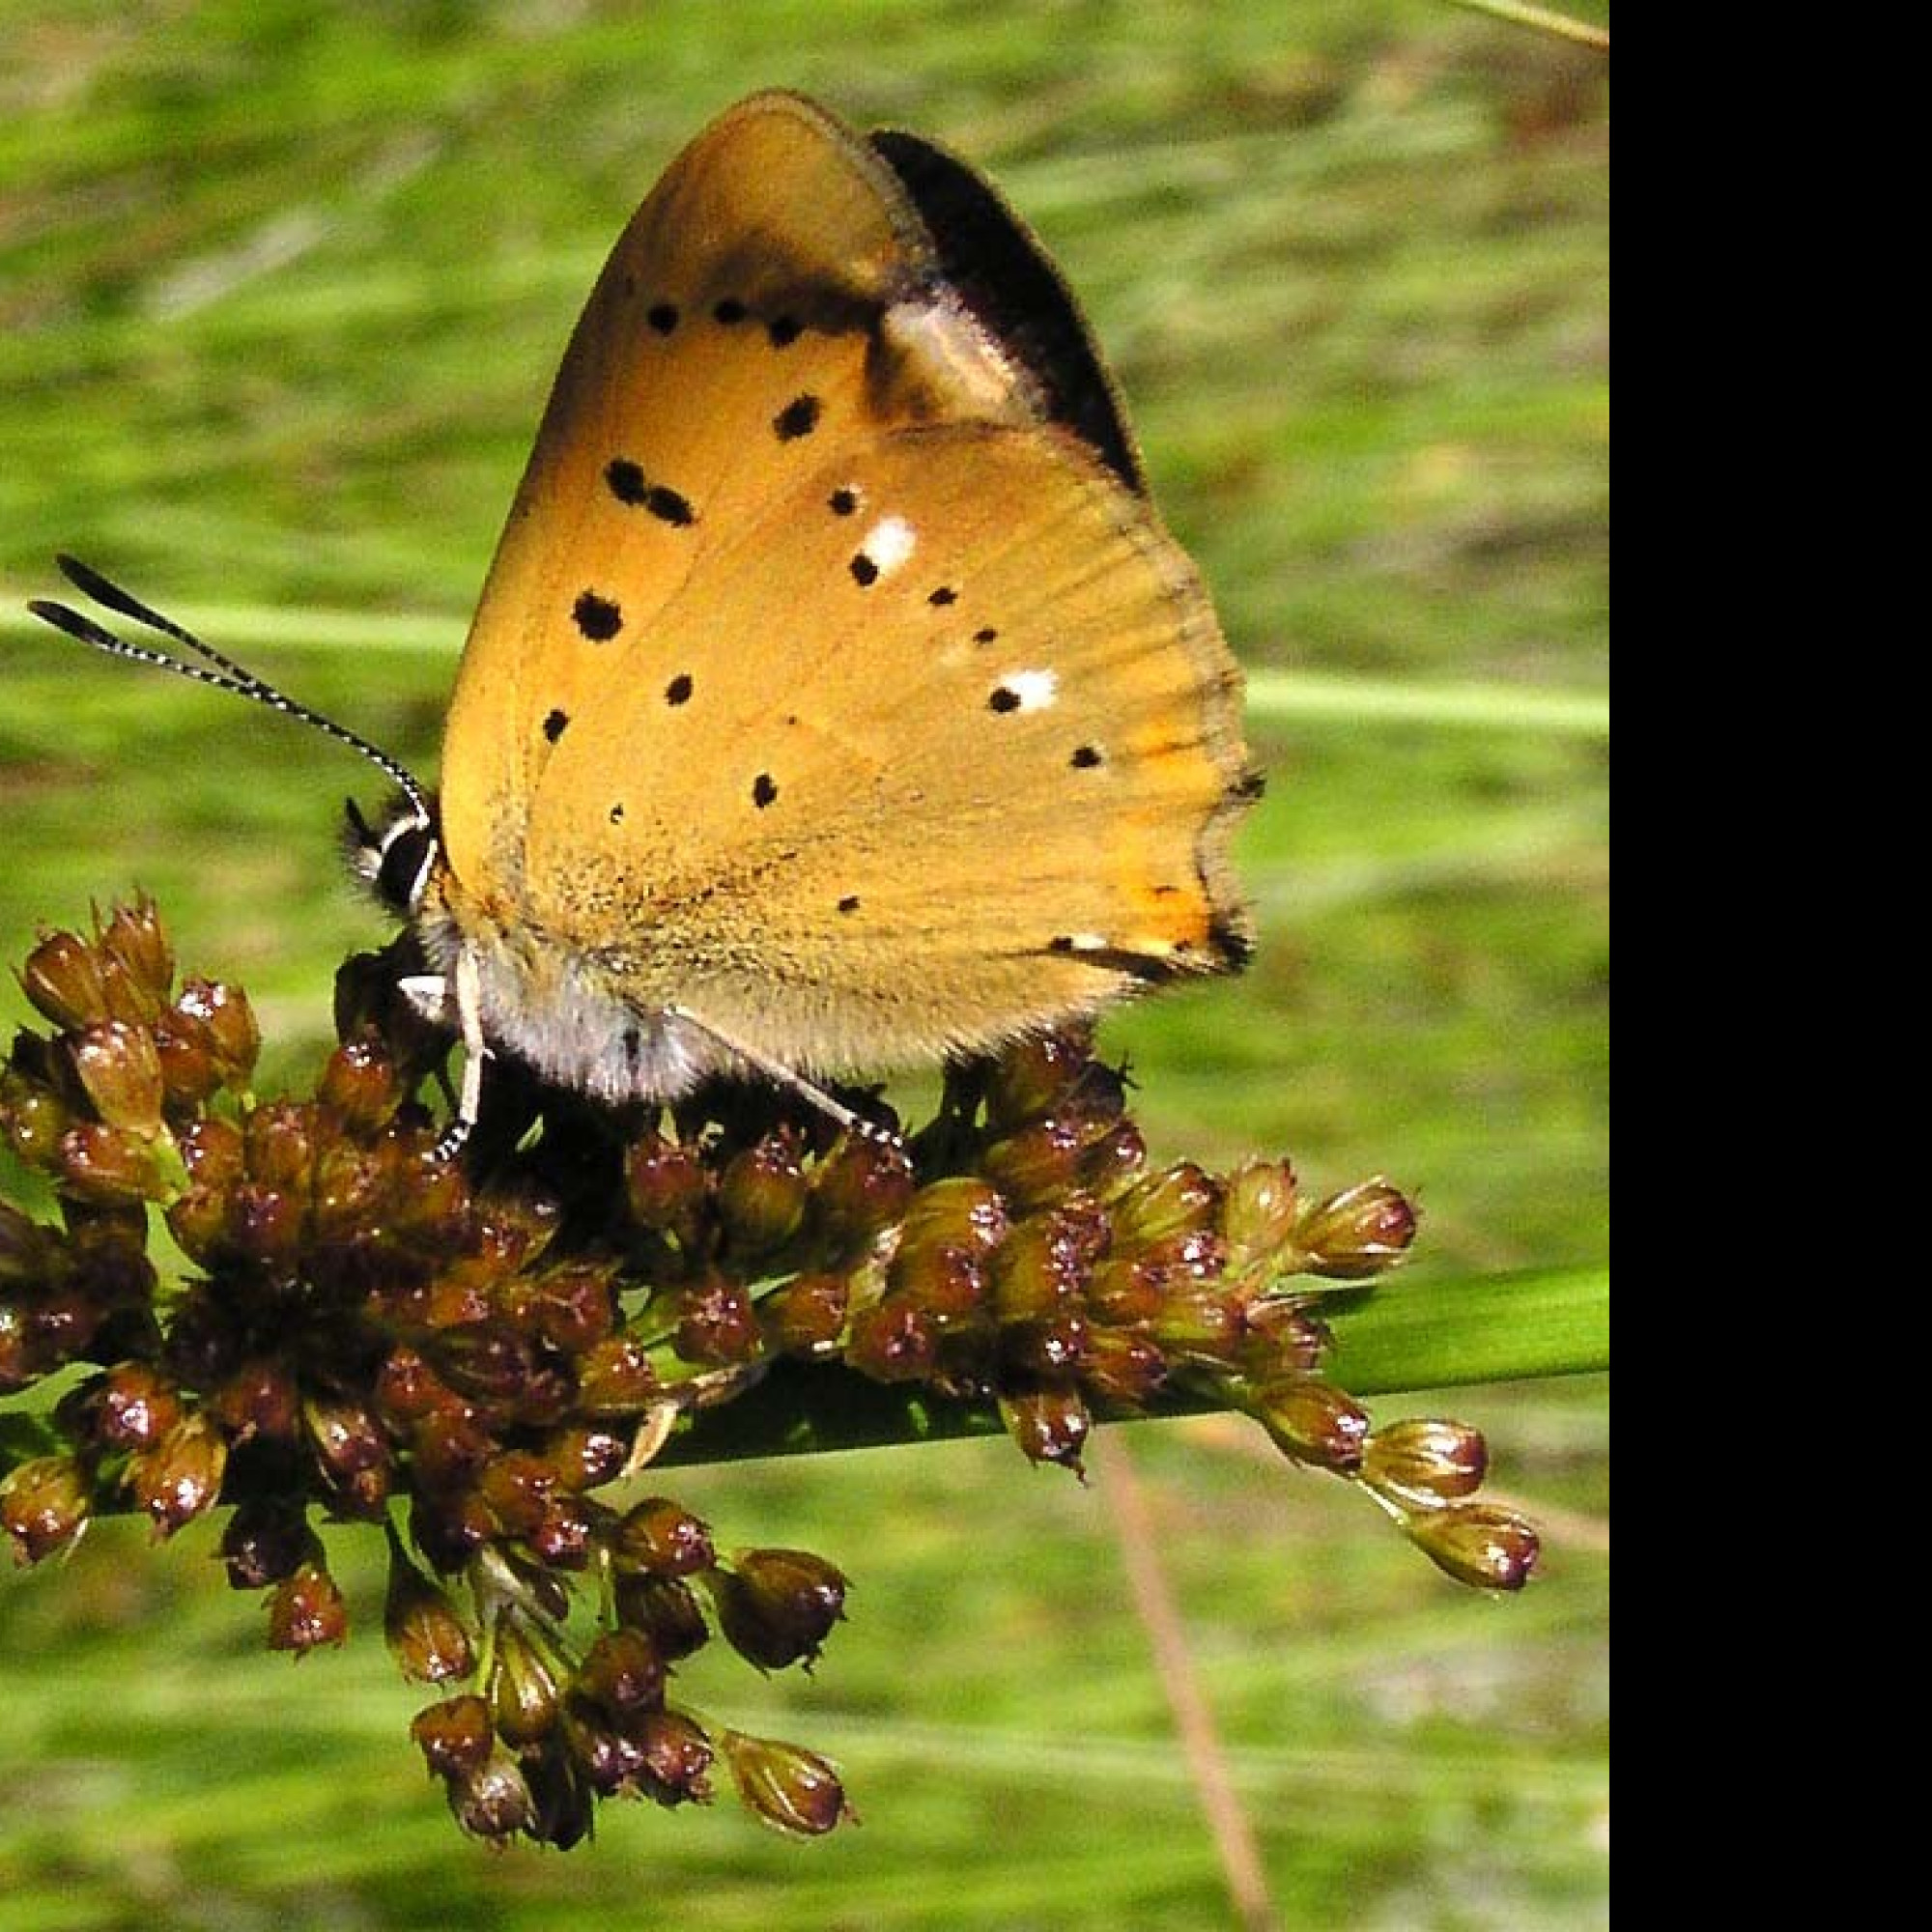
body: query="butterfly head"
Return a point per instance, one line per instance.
(396, 854)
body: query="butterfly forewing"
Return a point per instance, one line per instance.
(823, 686)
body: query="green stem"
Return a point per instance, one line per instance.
(1404, 1334)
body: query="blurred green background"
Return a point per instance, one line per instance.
(282, 289)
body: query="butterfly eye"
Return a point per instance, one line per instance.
(394, 857)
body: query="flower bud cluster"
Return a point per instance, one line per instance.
(477, 1359)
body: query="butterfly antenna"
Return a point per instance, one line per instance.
(217, 669)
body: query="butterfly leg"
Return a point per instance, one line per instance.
(781, 1075)
(437, 999)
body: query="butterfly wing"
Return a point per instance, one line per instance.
(825, 685)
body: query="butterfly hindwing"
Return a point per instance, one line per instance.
(832, 682)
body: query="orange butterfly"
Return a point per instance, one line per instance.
(837, 699)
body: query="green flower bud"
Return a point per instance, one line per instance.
(1032, 1076)
(1479, 1544)
(1313, 1421)
(1363, 1231)
(36, 1120)
(791, 1789)
(1259, 1213)
(1425, 1462)
(523, 1692)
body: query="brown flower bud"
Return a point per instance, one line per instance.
(360, 1083)
(806, 1315)
(134, 949)
(1426, 1462)
(119, 1069)
(777, 1606)
(761, 1195)
(180, 1478)
(1114, 1161)
(1122, 1368)
(280, 1144)
(616, 1379)
(1313, 1421)
(1034, 1075)
(791, 1789)
(894, 1341)
(492, 1803)
(667, 1187)
(306, 1610)
(1363, 1231)
(98, 1163)
(1480, 1544)
(586, 1456)
(661, 1538)
(426, 1637)
(676, 1757)
(1040, 1161)
(456, 1736)
(860, 1188)
(574, 1307)
(265, 1224)
(1053, 1346)
(44, 1504)
(62, 979)
(266, 1541)
(718, 1322)
(666, 1610)
(1050, 1423)
(222, 1019)
(131, 1407)
(624, 1671)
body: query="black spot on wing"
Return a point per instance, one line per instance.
(764, 790)
(678, 689)
(554, 724)
(662, 317)
(597, 617)
(799, 418)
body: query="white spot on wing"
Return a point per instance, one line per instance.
(1036, 690)
(889, 543)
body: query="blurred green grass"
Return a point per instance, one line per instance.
(281, 291)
